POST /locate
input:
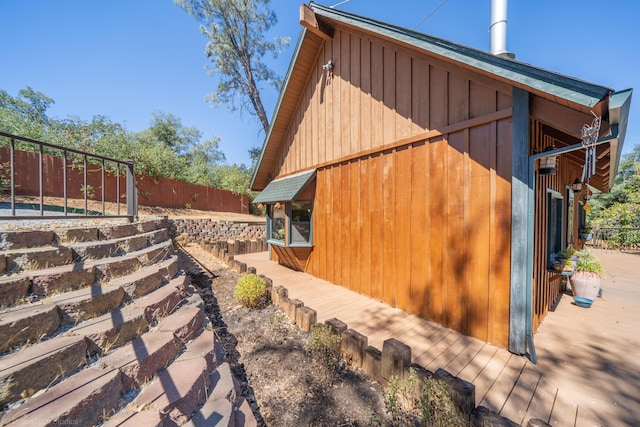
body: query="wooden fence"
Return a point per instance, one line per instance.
(159, 192)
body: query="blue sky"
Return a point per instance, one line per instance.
(127, 58)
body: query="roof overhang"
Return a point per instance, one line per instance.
(318, 23)
(619, 105)
(285, 189)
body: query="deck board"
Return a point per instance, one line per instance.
(504, 382)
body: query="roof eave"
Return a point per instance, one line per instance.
(283, 91)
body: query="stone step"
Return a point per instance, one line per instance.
(62, 278)
(140, 359)
(27, 324)
(176, 392)
(146, 418)
(86, 303)
(110, 268)
(220, 407)
(120, 326)
(82, 399)
(139, 283)
(23, 239)
(117, 231)
(163, 301)
(13, 289)
(24, 372)
(112, 330)
(117, 246)
(37, 258)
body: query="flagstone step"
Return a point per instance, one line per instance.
(81, 399)
(113, 267)
(61, 278)
(116, 246)
(162, 301)
(142, 357)
(219, 408)
(24, 239)
(29, 323)
(37, 258)
(24, 372)
(13, 289)
(86, 303)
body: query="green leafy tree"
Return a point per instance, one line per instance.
(236, 30)
(621, 206)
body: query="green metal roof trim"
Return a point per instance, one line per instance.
(578, 91)
(285, 189)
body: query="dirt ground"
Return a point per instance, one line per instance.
(269, 355)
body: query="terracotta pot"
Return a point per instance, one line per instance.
(585, 284)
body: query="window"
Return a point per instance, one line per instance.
(276, 223)
(289, 223)
(300, 223)
(554, 223)
(570, 214)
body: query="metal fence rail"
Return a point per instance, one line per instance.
(619, 238)
(119, 166)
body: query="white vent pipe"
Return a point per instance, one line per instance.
(498, 29)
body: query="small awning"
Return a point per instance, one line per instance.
(285, 189)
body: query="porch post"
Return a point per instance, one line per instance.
(520, 209)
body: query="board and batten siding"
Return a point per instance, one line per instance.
(412, 201)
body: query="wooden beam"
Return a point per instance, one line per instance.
(308, 19)
(520, 239)
(562, 118)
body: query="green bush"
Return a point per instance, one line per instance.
(250, 291)
(431, 405)
(324, 346)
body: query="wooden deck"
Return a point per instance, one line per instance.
(506, 383)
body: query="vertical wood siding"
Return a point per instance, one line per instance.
(425, 226)
(547, 284)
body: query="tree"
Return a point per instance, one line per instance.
(621, 206)
(236, 48)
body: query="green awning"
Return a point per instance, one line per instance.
(285, 189)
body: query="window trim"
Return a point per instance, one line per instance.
(551, 195)
(290, 222)
(286, 242)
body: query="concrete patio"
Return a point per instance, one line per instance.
(588, 367)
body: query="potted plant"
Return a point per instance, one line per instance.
(586, 279)
(586, 233)
(564, 261)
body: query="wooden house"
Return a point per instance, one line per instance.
(404, 167)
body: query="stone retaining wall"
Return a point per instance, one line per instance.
(222, 237)
(393, 360)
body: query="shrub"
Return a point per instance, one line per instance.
(324, 346)
(431, 405)
(250, 291)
